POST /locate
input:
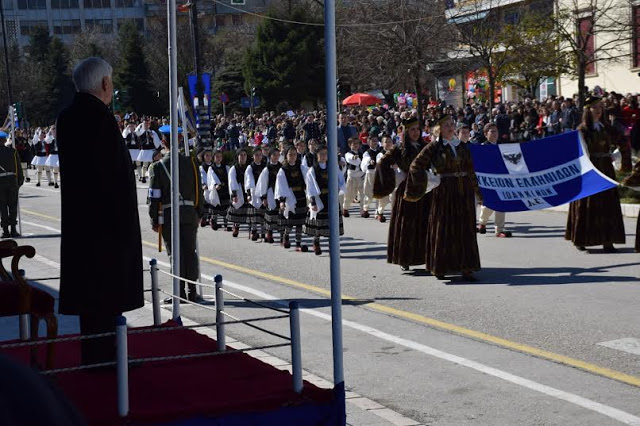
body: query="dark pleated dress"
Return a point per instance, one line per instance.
(406, 244)
(634, 180)
(597, 220)
(451, 244)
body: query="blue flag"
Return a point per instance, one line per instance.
(538, 174)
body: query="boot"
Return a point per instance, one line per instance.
(236, 231)
(316, 247)
(301, 248)
(5, 232)
(203, 222)
(14, 232)
(254, 235)
(263, 237)
(345, 213)
(269, 238)
(286, 242)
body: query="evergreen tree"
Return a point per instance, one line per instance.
(286, 61)
(58, 83)
(229, 81)
(132, 75)
(39, 42)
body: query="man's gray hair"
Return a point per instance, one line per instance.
(88, 74)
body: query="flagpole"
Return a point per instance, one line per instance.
(334, 208)
(6, 54)
(175, 171)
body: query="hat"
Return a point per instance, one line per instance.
(444, 118)
(591, 100)
(408, 122)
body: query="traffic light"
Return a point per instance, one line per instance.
(17, 108)
(338, 87)
(253, 92)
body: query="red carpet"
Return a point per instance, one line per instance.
(174, 390)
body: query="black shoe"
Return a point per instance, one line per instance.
(5, 234)
(50, 183)
(14, 233)
(169, 300)
(610, 249)
(38, 184)
(581, 248)
(286, 243)
(302, 248)
(56, 186)
(27, 179)
(405, 268)
(254, 236)
(441, 277)
(228, 229)
(195, 298)
(214, 225)
(144, 180)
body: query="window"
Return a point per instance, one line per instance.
(11, 30)
(64, 4)
(67, 26)
(7, 5)
(104, 26)
(126, 3)
(587, 40)
(97, 4)
(237, 2)
(512, 17)
(636, 36)
(27, 27)
(32, 4)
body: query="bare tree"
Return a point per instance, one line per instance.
(390, 44)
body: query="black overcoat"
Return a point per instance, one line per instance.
(101, 248)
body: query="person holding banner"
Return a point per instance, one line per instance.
(596, 220)
(407, 226)
(491, 134)
(451, 244)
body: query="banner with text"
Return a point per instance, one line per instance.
(537, 174)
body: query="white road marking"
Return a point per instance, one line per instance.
(37, 188)
(48, 228)
(614, 413)
(628, 344)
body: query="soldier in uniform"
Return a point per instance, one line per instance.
(11, 178)
(191, 208)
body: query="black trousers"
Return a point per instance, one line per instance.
(101, 349)
(8, 202)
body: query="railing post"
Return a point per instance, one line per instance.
(222, 345)
(122, 366)
(24, 326)
(296, 351)
(155, 293)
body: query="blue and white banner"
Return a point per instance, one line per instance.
(537, 174)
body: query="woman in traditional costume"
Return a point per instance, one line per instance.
(596, 220)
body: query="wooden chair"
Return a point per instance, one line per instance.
(17, 297)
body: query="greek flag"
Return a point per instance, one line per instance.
(537, 174)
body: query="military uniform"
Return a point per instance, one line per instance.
(11, 178)
(191, 208)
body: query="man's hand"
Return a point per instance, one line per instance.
(282, 206)
(265, 203)
(218, 187)
(234, 199)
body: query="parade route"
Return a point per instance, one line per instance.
(530, 334)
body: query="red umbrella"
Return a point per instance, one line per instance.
(361, 99)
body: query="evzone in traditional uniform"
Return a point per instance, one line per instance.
(240, 210)
(368, 167)
(291, 193)
(265, 190)
(251, 178)
(218, 188)
(206, 160)
(132, 143)
(597, 219)
(40, 158)
(52, 163)
(451, 236)
(383, 202)
(317, 224)
(633, 181)
(355, 177)
(149, 142)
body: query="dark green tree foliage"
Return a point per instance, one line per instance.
(57, 78)
(132, 75)
(230, 81)
(286, 62)
(38, 47)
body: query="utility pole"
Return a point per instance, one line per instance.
(201, 104)
(6, 54)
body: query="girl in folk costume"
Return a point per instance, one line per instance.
(132, 143)
(633, 181)
(218, 188)
(407, 227)
(290, 191)
(596, 220)
(40, 147)
(451, 236)
(317, 224)
(52, 163)
(251, 177)
(309, 159)
(265, 189)
(240, 210)
(355, 177)
(368, 167)
(149, 142)
(206, 160)
(387, 145)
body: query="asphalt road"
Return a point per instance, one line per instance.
(520, 347)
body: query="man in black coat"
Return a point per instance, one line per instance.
(101, 248)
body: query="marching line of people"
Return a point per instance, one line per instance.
(46, 156)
